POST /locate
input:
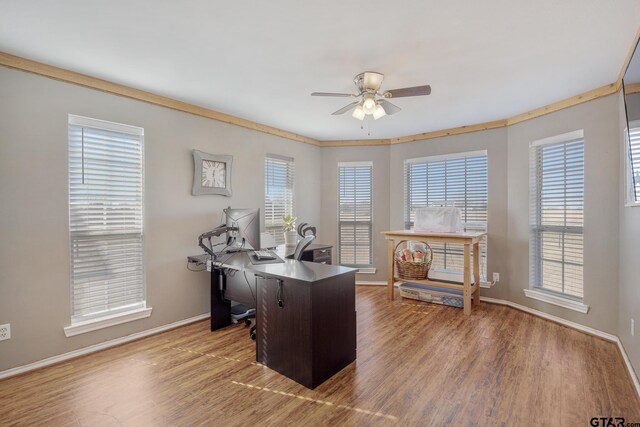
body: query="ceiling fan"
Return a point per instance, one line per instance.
(370, 100)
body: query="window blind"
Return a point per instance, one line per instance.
(105, 218)
(633, 163)
(459, 180)
(557, 214)
(278, 193)
(355, 215)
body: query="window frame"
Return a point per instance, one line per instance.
(407, 205)
(81, 323)
(538, 290)
(355, 164)
(275, 228)
(630, 191)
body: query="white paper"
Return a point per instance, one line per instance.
(438, 219)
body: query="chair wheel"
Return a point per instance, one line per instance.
(253, 335)
(247, 322)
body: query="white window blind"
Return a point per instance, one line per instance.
(278, 193)
(105, 218)
(355, 215)
(633, 164)
(459, 180)
(557, 214)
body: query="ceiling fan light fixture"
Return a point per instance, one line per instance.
(379, 112)
(369, 105)
(358, 113)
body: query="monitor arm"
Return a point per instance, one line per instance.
(218, 231)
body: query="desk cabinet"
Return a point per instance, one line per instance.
(312, 335)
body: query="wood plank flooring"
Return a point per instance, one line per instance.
(418, 364)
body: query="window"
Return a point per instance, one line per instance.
(632, 164)
(105, 219)
(458, 180)
(557, 214)
(278, 193)
(355, 216)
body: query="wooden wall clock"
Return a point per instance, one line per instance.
(212, 174)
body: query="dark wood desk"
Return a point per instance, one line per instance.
(305, 313)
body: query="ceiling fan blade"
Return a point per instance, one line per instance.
(389, 108)
(346, 95)
(345, 109)
(408, 91)
(372, 80)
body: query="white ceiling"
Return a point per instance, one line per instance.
(260, 60)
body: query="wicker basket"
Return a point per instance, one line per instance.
(409, 270)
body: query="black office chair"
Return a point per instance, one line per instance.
(301, 246)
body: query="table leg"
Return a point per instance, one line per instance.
(467, 279)
(390, 267)
(476, 272)
(220, 309)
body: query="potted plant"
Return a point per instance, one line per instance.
(289, 228)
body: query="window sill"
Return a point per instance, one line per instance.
(557, 300)
(366, 270)
(632, 205)
(105, 322)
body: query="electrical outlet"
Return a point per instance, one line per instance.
(496, 277)
(632, 328)
(5, 332)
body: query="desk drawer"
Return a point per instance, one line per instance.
(322, 256)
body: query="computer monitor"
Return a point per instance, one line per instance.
(246, 233)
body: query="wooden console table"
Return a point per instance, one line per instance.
(467, 239)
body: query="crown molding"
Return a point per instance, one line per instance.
(355, 142)
(565, 103)
(61, 74)
(631, 88)
(547, 109)
(452, 131)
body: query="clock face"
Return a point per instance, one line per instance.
(214, 174)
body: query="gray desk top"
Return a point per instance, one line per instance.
(298, 270)
(315, 246)
(305, 271)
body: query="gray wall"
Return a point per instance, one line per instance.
(508, 246)
(599, 119)
(34, 253)
(633, 107)
(380, 199)
(34, 259)
(388, 192)
(629, 265)
(495, 142)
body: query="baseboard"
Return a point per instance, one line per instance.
(538, 313)
(97, 347)
(627, 362)
(573, 325)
